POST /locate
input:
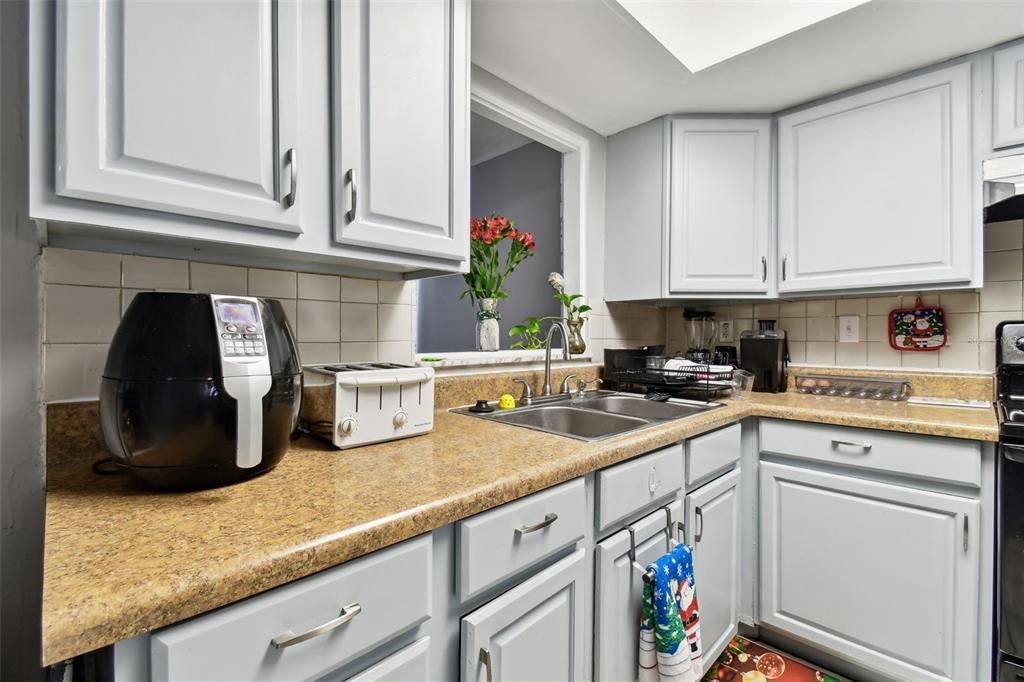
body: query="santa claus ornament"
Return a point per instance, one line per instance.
(921, 328)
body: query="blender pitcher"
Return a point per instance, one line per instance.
(700, 332)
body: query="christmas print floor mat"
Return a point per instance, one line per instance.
(745, 660)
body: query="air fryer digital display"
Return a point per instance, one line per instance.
(237, 312)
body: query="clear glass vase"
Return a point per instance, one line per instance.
(488, 327)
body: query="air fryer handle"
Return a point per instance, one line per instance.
(248, 392)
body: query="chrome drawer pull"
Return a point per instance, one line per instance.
(699, 535)
(548, 520)
(289, 638)
(866, 447)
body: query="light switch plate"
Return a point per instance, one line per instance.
(725, 330)
(849, 329)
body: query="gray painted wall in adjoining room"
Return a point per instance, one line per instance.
(525, 186)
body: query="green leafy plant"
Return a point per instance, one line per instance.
(573, 311)
(487, 273)
(529, 333)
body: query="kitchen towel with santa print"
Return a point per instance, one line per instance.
(670, 647)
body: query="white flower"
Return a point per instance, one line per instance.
(556, 281)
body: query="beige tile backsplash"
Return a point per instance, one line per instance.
(345, 319)
(971, 317)
(334, 318)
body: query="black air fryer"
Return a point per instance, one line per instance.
(200, 390)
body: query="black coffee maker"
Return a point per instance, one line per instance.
(764, 352)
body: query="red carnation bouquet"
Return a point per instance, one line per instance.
(487, 273)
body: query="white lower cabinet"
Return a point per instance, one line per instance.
(713, 531)
(885, 576)
(306, 629)
(535, 631)
(618, 588)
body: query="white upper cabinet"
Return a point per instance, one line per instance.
(188, 109)
(877, 189)
(719, 205)
(400, 175)
(1008, 97)
(689, 209)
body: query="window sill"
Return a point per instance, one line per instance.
(475, 359)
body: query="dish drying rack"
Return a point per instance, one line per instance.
(692, 379)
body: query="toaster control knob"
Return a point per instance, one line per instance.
(400, 418)
(347, 426)
(1020, 343)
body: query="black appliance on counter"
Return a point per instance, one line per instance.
(1009, 611)
(764, 352)
(644, 370)
(200, 390)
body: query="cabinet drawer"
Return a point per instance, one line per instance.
(627, 488)
(938, 459)
(392, 589)
(711, 453)
(500, 542)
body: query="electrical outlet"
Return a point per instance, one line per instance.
(725, 330)
(849, 329)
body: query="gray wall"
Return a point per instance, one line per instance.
(21, 461)
(524, 185)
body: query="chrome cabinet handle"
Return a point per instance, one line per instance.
(289, 638)
(764, 269)
(866, 447)
(350, 178)
(966, 533)
(485, 658)
(784, 267)
(548, 520)
(700, 525)
(292, 159)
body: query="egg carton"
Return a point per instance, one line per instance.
(853, 387)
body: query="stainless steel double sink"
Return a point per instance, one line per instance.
(599, 415)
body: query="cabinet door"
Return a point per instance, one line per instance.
(182, 107)
(532, 632)
(1008, 97)
(877, 189)
(618, 589)
(400, 122)
(713, 531)
(882, 575)
(720, 205)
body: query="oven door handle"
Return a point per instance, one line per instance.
(1014, 453)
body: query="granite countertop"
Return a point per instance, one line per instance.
(122, 560)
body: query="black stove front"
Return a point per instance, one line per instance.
(1010, 501)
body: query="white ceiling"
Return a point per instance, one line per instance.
(591, 60)
(489, 140)
(701, 34)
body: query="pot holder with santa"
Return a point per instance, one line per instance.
(670, 646)
(921, 328)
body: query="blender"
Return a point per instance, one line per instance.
(700, 333)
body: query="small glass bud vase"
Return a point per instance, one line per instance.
(576, 343)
